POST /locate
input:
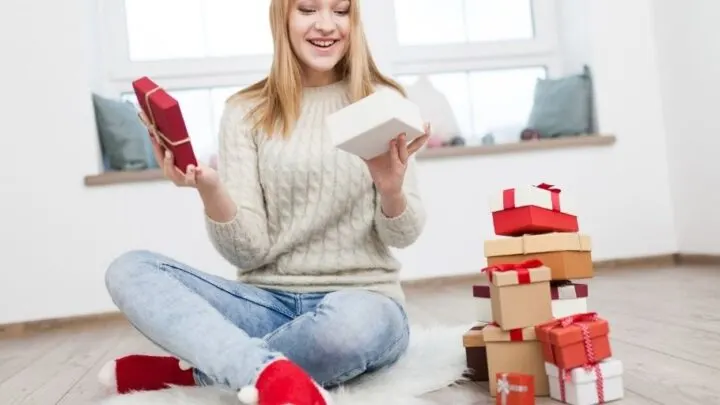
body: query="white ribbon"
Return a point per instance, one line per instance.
(504, 388)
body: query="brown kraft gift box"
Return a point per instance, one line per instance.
(475, 353)
(568, 255)
(520, 294)
(516, 351)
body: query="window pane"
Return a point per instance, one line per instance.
(444, 100)
(175, 29)
(218, 97)
(499, 20)
(473, 104)
(502, 101)
(238, 27)
(197, 111)
(164, 29)
(427, 22)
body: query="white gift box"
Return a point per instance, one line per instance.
(366, 127)
(570, 299)
(582, 386)
(525, 196)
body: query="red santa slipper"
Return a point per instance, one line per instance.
(139, 372)
(282, 382)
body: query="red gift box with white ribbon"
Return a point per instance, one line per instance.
(532, 210)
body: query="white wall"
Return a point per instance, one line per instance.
(58, 236)
(686, 36)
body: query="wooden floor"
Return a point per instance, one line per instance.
(665, 327)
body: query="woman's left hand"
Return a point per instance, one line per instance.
(388, 169)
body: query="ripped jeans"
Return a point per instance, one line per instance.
(228, 330)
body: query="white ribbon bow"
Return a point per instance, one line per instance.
(504, 388)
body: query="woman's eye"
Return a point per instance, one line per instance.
(342, 12)
(306, 10)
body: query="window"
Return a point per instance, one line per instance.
(481, 57)
(485, 101)
(484, 56)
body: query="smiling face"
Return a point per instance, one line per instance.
(319, 34)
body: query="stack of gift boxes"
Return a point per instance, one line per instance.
(534, 335)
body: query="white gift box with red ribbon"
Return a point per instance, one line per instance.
(587, 386)
(542, 196)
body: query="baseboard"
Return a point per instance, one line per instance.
(21, 329)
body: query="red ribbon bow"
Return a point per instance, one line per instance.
(548, 187)
(573, 319)
(522, 269)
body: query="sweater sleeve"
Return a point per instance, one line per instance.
(403, 230)
(244, 240)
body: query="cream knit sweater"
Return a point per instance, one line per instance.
(309, 218)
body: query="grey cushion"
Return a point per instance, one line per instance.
(124, 139)
(563, 106)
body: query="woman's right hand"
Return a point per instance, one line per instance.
(201, 177)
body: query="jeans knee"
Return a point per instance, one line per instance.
(124, 269)
(369, 332)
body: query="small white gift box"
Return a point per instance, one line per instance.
(601, 383)
(569, 299)
(366, 127)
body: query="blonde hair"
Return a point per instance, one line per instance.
(279, 94)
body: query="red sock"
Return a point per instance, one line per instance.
(145, 373)
(283, 382)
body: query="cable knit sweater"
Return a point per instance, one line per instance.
(308, 218)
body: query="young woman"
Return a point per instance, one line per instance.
(309, 227)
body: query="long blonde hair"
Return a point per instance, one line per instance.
(279, 94)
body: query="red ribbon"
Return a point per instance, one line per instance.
(516, 335)
(549, 187)
(509, 199)
(522, 269)
(589, 353)
(599, 384)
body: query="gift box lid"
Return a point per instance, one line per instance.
(481, 291)
(568, 291)
(493, 333)
(609, 368)
(569, 330)
(528, 272)
(543, 196)
(543, 243)
(474, 336)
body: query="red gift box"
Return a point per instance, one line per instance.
(575, 341)
(165, 115)
(532, 210)
(515, 389)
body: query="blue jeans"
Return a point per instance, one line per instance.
(228, 330)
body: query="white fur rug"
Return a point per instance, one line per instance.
(434, 360)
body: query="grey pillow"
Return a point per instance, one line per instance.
(563, 106)
(123, 138)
